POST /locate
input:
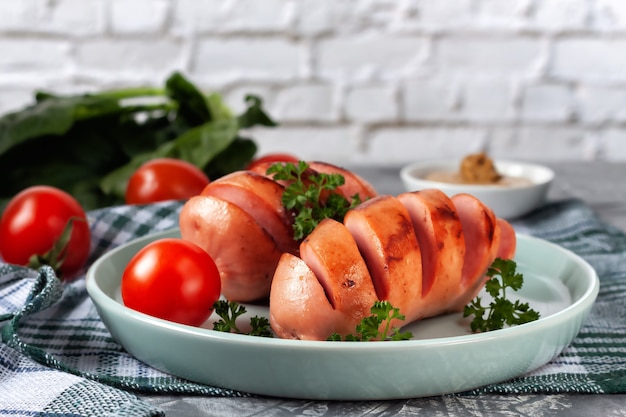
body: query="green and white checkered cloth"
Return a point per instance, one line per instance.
(58, 358)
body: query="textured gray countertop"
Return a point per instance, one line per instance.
(601, 185)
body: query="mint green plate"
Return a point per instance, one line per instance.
(444, 356)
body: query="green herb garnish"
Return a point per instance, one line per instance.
(369, 327)
(500, 311)
(310, 196)
(229, 311)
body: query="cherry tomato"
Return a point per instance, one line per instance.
(165, 179)
(172, 279)
(272, 157)
(34, 221)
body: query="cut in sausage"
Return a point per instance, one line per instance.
(332, 254)
(508, 240)
(384, 234)
(261, 197)
(299, 306)
(442, 242)
(482, 237)
(243, 251)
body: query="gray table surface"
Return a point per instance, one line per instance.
(601, 185)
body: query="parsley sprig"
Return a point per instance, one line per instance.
(310, 195)
(369, 327)
(229, 311)
(501, 310)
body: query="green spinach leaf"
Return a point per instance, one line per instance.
(89, 144)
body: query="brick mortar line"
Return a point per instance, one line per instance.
(456, 124)
(491, 34)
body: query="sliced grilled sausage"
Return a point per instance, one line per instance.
(457, 240)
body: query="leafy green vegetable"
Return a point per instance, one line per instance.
(229, 311)
(500, 311)
(369, 327)
(254, 115)
(310, 196)
(89, 144)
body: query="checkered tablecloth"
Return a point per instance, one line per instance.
(57, 357)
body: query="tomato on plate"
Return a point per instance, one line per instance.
(172, 279)
(272, 157)
(33, 224)
(163, 179)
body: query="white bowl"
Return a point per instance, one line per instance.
(508, 202)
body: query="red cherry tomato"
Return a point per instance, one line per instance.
(172, 279)
(272, 157)
(33, 222)
(165, 179)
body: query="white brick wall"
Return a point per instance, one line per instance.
(359, 81)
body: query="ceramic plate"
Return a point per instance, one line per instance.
(444, 356)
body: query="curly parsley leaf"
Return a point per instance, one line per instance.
(229, 311)
(369, 327)
(311, 196)
(501, 311)
(260, 327)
